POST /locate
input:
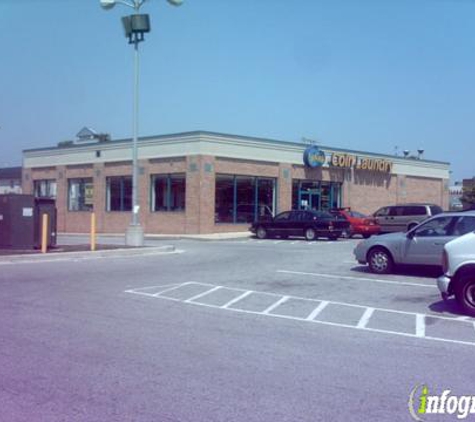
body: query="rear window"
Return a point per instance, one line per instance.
(434, 209)
(323, 214)
(464, 225)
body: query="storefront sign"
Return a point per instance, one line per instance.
(361, 163)
(313, 157)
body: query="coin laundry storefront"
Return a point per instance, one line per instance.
(206, 182)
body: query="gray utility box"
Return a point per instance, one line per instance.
(21, 221)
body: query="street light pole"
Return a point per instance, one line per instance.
(135, 26)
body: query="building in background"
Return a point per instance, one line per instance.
(10, 180)
(206, 182)
(455, 196)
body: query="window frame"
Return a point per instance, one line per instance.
(168, 177)
(83, 181)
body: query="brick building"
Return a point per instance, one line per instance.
(205, 182)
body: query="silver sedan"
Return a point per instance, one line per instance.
(422, 245)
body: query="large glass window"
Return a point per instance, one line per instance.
(45, 188)
(168, 192)
(119, 193)
(80, 194)
(243, 199)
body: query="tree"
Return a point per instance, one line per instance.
(468, 195)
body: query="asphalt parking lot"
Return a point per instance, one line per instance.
(231, 330)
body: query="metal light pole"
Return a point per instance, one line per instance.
(135, 26)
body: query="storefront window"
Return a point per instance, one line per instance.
(224, 199)
(320, 196)
(243, 199)
(119, 193)
(45, 188)
(168, 192)
(80, 194)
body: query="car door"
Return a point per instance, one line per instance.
(424, 244)
(382, 218)
(281, 224)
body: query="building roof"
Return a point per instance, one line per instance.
(199, 133)
(10, 173)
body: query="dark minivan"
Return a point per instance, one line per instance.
(309, 224)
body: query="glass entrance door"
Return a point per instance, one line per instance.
(320, 196)
(310, 199)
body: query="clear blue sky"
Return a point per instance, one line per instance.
(360, 74)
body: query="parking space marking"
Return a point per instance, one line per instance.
(276, 304)
(365, 318)
(420, 325)
(344, 277)
(418, 322)
(236, 299)
(317, 310)
(191, 299)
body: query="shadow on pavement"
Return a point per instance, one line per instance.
(411, 271)
(449, 306)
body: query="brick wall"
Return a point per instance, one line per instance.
(363, 191)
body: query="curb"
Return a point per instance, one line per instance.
(62, 256)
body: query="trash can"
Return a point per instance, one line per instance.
(21, 221)
(45, 206)
(17, 221)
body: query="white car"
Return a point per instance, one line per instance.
(458, 262)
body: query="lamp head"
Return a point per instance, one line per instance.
(107, 4)
(175, 2)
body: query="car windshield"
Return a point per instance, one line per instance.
(357, 214)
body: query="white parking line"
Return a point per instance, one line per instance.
(365, 318)
(276, 304)
(168, 290)
(419, 319)
(420, 325)
(191, 299)
(236, 299)
(373, 280)
(317, 310)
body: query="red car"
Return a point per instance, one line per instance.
(359, 223)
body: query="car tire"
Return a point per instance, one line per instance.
(346, 234)
(380, 261)
(310, 234)
(411, 226)
(366, 236)
(465, 293)
(261, 232)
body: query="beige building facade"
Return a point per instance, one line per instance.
(206, 182)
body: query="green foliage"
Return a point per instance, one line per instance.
(468, 196)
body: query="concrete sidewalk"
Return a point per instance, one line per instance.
(148, 236)
(21, 257)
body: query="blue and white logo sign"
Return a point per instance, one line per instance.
(313, 157)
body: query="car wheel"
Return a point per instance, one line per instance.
(345, 234)
(310, 234)
(411, 226)
(261, 232)
(380, 261)
(465, 293)
(366, 236)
